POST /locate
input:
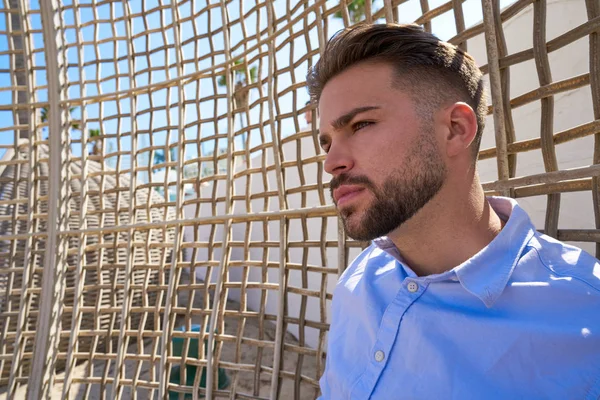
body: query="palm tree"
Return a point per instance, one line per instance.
(96, 149)
(241, 92)
(356, 9)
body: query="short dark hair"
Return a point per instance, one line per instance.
(432, 71)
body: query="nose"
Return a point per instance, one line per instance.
(339, 160)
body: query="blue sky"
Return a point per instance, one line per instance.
(442, 26)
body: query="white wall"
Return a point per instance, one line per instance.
(571, 109)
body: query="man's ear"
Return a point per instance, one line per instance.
(461, 128)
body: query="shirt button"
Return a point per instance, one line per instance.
(379, 356)
(412, 286)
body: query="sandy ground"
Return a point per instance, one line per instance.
(244, 382)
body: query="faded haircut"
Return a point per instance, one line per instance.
(433, 72)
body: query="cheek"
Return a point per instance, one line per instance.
(377, 157)
(368, 143)
(384, 141)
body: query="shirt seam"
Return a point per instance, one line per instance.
(563, 275)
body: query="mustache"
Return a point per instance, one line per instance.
(344, 179)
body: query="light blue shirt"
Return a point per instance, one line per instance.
(519, 320)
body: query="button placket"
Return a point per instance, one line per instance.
(386, 335)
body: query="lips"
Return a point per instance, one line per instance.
(345, 193)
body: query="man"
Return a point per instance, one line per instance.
(458, 297)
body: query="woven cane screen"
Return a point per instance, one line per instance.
(166, 229)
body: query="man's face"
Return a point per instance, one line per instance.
(384, 158)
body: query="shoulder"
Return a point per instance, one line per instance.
(357, 267)
(369, 283)
(371, 260)
(566, 261)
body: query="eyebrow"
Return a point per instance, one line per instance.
(345, 119)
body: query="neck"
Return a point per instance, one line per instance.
(448, 230)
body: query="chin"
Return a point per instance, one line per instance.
(353, 210)
(353, 225)
(349, 213)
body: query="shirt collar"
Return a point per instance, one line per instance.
(486, 274)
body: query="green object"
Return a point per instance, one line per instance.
(190, 370)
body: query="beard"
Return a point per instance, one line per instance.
(403, 193)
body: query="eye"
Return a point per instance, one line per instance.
(324, 145)
(360, 124)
